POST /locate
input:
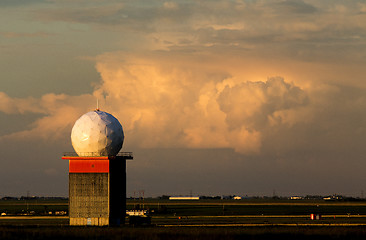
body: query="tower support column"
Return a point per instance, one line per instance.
(117, 194)
(97, 190)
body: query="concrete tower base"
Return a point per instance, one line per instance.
(97, 190)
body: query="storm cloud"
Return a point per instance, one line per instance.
(231, 96)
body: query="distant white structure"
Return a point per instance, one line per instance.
(315, 216)
(333, 197)
(296, 198)
(184, 198)
(136, 212)
(97, 132)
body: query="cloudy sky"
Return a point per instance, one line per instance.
(215, 97)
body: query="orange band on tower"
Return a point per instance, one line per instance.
(88, 166)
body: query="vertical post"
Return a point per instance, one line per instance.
(117, 195)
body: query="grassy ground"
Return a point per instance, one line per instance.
(34, 206)
(215, 219)
(249, 207)
(182, 233)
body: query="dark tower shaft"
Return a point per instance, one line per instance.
(97, 190)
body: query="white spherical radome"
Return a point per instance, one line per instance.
(98, 133)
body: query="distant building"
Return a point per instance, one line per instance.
(184, 198)
(237, 198)
(296, 198)
(315, 216)
(136, 212)
(332, 198)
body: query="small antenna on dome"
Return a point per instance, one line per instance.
(97, 105)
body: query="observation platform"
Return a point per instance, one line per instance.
(96, 155)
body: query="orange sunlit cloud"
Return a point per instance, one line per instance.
(272, 82)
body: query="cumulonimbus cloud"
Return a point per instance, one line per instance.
(166, 101)
(165, 104)
(168, 105)
(162, 103)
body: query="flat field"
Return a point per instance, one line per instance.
(252, 212)
(33, 206)
(200, 219)
(192, 233)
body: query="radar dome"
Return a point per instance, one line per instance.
(98, 133)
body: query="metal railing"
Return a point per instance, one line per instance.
(127, 155)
